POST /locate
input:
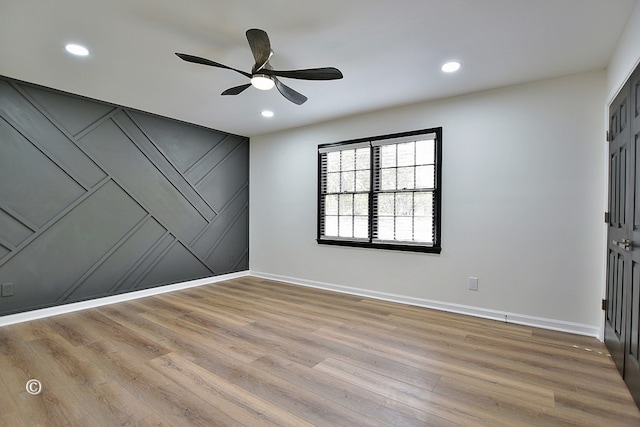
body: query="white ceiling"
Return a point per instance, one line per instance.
(390, 52)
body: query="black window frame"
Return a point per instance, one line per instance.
(370, 242)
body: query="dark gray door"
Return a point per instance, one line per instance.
(632, 345)
(622, 319)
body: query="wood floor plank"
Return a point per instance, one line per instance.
(415, 397)
(256, 309)
(222, 340)
(369, 380)
(244, 407)
(457, 358)
(20, 364)
(11, 414)
(376, 406)
(97, 400)
(171, 402)
(319, 302)
(30, 331)
(70, 328)
(277, 342)
(211, 309)
(295, 399)
(141, 346)
(256, 352)
(510, 410)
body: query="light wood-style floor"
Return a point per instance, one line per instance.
(257, 353)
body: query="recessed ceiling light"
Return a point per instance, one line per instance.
(76, 49)
(451, 67)
(267, 113)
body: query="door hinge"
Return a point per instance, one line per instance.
(606, 217)
(608, 136)
(604, 304)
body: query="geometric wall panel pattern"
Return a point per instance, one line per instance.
(97, 199)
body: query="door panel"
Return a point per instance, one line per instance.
(618, 258)
(632, 359)
(613, 330)
(622, 316)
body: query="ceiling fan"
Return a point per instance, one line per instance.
(262, 75)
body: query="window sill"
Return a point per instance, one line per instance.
(389, 246)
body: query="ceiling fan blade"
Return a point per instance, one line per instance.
(204, 61)
(290, 94)
(326, 73)
(236, 90)
(260, 47)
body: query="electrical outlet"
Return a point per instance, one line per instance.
(473, 283)
(7, 290)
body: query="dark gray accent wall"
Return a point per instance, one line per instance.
(98, 199)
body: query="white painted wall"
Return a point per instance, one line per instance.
(626, 55)
(522, 204)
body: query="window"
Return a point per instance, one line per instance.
(382, 192)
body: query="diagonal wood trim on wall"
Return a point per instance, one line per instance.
(98, 199)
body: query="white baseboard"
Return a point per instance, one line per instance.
(98, 302)
(502, 316)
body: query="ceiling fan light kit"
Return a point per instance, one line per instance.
(262, 82)
(262, 76)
